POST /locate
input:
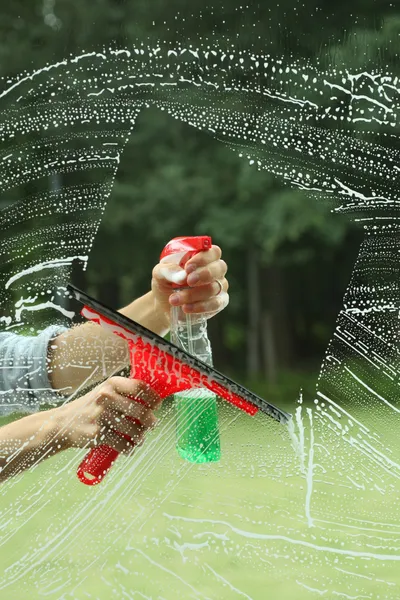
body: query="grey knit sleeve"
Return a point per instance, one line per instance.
(24, 380)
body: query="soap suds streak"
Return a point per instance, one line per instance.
(300, 137)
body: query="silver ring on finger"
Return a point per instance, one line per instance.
(221, 287)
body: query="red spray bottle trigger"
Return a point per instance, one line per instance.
(181, 249)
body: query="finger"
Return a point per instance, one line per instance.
(208, 274)
(86, 436)
(202, 259)
(199, 294)
(136, 414)
(134, 407)
(134, 429)
(168, 274)
(122, 390)
(213, 305)
(118, 442)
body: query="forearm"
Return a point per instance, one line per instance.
(28, 441)
(87, 353)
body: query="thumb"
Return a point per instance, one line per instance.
(170, 272)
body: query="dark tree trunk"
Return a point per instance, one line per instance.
(253, 328)
(269, 349)
(277, 338)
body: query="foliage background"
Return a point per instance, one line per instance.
(289, 258)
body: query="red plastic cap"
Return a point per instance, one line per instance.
(191, 245)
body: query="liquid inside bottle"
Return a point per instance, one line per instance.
(197, 432)
(197, 429)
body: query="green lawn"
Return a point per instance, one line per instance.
(161, 528)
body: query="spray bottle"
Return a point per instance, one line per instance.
(196, 409)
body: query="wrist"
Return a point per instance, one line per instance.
(60, 427)
(149, 312)
(161, 312)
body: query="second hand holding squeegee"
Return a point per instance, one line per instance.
(168, 369)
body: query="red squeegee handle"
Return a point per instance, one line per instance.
(100, 459)
(167, 375)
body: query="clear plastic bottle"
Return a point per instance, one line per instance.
(196, 409)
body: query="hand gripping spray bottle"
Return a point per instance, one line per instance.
(196, 409)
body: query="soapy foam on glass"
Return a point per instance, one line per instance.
(319, 528)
